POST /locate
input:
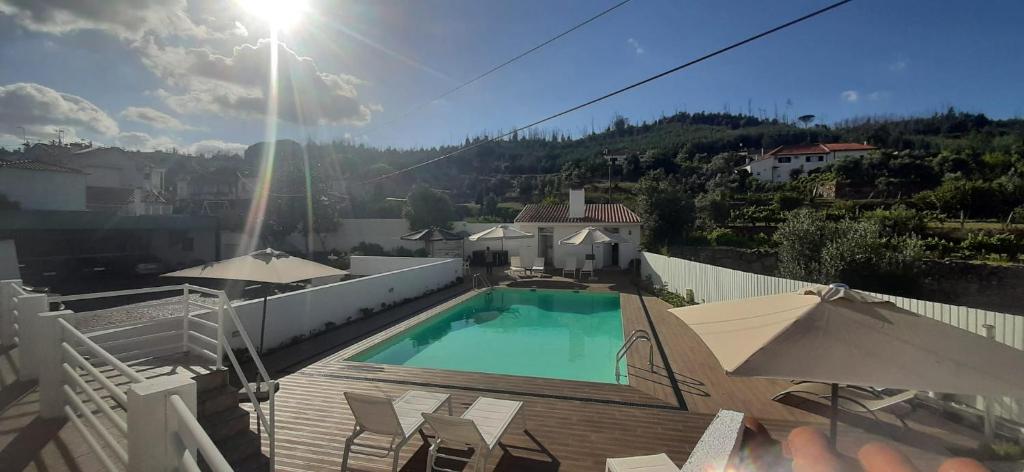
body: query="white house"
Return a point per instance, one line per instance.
(780, 164)
(39, 185)
(551, 223)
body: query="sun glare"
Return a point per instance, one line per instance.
(279, 14)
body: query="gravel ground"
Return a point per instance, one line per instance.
(144, 311)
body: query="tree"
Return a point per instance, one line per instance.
(426, 208)
(490, 206)
(665, 208)
(712, 209)
(806, 120)
(8, 204)
(814, 249)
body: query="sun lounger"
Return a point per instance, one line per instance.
(588, 266)
(399, 420)
(480, 427)
(515, 264)
(712, 452)
(569, 267)
(851, 398)
(538, 265)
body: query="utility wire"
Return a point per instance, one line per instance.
(621, 90)
(503, 64)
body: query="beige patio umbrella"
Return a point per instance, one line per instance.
(265, 265)
(500, 232)
(836, 335)
(590, 235)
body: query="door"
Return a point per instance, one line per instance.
(546, 245)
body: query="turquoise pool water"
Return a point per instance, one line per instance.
(557, 334)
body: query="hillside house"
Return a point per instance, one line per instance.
(785, 162)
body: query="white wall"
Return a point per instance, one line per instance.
(372, 265)
(8, 260)
(307, 311)
(43, 190)
(602, 253)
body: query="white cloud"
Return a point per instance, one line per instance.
(215, 146)
(138, 141)
(41, 109)
(850, 96)
(154, 118)
(878, 95)
(899, 65)
(237, 85)
(125, 18)
(635, 45)
(129, 19)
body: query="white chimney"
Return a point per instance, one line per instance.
(577, 204)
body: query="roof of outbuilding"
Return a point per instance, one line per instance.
(29, 164)
(593, 213)
(818, 148)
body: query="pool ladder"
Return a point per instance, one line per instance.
(480, 282)
(636, 335)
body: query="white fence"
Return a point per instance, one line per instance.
(308, 311)
(712, 284)
(373, 265)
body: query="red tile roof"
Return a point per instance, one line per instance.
(801, 149)
(593, 213)
(28, 164)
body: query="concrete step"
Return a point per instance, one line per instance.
(240, 447)
(226, 424)
(254, 463)
(215, 401)
(211, 381)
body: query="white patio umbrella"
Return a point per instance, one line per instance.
(835, 335)
(590, 235)
(265, 265)
(500, 232)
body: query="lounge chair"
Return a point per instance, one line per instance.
(569, 266)
(515, 264)
(538, 265)
(851, 398)
(399, 420)
(712, 452)
(588, 266)
(481, 428)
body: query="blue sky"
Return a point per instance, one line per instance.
(167, 73)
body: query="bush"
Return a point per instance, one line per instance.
(401, 251)
(368, 249)
(785, 201)
(983, 244)
(857, 253)
(899, 220)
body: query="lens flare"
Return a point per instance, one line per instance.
(279, 14)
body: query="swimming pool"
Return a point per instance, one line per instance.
(557, 334)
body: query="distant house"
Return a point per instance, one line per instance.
(39, 185)
(782, 163)
(551, 223)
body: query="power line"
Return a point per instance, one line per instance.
(623, 89)
(503, 64)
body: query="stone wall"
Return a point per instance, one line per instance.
(986, 286)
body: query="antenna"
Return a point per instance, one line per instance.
(24, 136)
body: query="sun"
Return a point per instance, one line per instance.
(279, 14)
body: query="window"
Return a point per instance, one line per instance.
(809, 159)
(783, 159)
(821, 158)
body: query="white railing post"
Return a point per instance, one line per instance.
(152, 427)
(7, 291)
(185, 310)
(32, 343)
(221, 300)
(51, 356)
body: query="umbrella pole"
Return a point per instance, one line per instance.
(263, 324)
(833, 427)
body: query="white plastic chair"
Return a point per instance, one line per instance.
(588, 266)
(538, 265)
(712, 452)
(481, 427)
(515, 264)
(569, 266)
(399, 420)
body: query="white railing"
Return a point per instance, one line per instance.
(712, 284)
(11, 293)
(74, 357)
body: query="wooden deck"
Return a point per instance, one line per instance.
(572, 425)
